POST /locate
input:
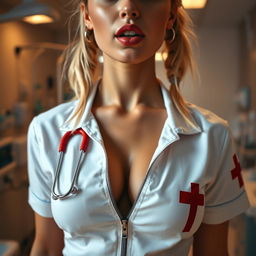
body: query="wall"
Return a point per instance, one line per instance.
(16, 217)
(248, 53)
(16, 74)
(218, 64)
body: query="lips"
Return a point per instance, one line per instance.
(129, 35)
(129, 27)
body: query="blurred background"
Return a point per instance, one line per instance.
(30, 60)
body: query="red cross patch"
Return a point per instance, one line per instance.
(237, 171)
(194, 198)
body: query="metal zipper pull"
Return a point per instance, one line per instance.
(124, 237)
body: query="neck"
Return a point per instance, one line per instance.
(129, 85)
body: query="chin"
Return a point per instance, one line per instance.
(132, 59)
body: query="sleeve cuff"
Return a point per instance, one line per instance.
(40, 206)
(220, 213)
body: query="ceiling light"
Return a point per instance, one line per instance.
(30, 8)
(194, 4)
(38, 19)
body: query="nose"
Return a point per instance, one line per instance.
(128, 10)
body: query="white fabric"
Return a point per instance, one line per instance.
(202, 155)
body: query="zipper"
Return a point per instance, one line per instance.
(124, 237)
(125, 221)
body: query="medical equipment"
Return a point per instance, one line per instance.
(62, 148)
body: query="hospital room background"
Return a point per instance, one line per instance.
(30, 70)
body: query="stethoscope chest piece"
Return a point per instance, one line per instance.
(73, 189)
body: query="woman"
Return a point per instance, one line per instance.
(159, 174)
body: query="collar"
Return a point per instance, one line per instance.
(87, 114)
(176, 122)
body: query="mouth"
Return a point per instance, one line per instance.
(129, 31)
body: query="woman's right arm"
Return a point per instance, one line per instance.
(49, 238)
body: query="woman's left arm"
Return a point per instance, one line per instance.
(211, 240)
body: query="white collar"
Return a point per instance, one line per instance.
(176, 122)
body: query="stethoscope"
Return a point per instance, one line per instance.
(73, 190)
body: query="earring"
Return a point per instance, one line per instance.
(87, 35)
(173, 36)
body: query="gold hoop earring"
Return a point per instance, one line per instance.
(170, 35)
(173, 35)
(87, 35)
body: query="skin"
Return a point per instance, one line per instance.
(48, 238)
(129, 96)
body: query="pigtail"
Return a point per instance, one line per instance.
(80, 65)
(179, 59)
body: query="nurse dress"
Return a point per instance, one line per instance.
(194, 177)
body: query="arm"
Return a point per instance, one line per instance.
(49, 240)
(211, 240)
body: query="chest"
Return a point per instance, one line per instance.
(159, 197)
(130, 141)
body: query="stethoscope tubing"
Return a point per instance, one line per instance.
(62, 149)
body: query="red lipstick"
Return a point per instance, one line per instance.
(129, 35)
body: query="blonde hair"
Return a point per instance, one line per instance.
(81, 60)
(179, 58)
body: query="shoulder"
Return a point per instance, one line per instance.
(209, 122)
(45, 127)
(57, 116)
(216, 135)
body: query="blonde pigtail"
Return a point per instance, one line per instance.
(81, 62)
(179, 59)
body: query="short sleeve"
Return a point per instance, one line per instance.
(225, 197)
(39, 179)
